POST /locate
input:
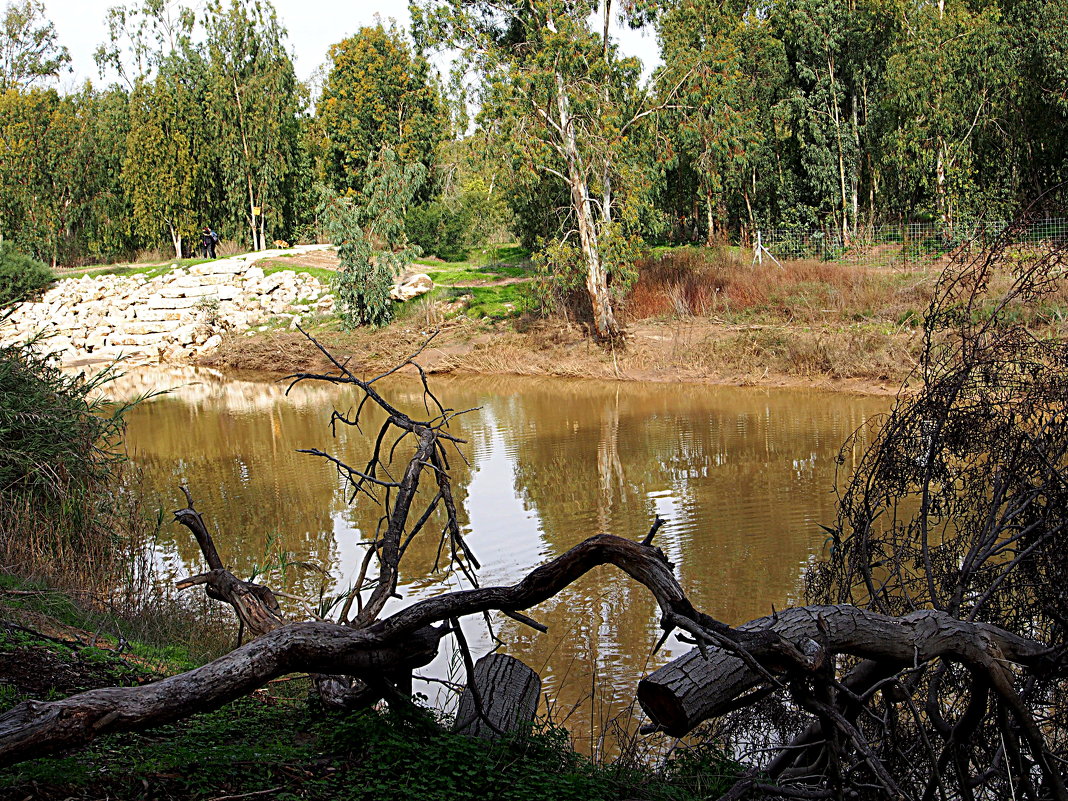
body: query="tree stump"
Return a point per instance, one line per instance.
(507, 691)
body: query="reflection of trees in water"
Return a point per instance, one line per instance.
(744, 477)
(242, 463)
(250, 483)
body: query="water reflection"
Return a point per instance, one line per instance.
(744, 477)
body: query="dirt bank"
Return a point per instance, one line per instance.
(862, 358)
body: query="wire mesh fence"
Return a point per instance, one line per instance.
(905, 245)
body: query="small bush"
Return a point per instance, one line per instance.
(59, 452)
(21, 276)
(441, 231)
(366, 276)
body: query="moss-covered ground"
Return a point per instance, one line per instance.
(280, 743)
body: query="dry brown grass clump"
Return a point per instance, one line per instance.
(717, 281)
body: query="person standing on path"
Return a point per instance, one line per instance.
(209, 239)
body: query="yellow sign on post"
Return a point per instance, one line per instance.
(255, 211)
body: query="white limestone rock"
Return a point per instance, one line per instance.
(411, 286)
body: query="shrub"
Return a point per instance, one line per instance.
(59, 450)
(21, 276)
(440, 230)
(366, 275)
(369, 232)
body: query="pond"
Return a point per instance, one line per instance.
(743, 476)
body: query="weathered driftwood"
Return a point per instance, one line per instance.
(255, 605)
(409, 638)
(696, 687)
(35, 728)
(390, 646)
(502, 697)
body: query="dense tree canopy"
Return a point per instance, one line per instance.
(377, 94)
(835, 116)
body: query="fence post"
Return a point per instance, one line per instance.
(757, 251)
(904, 244)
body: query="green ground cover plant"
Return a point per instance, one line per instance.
(21, 276)
(283, 744)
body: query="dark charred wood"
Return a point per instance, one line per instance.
(501, 698)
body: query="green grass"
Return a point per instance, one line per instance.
(448, 275)
(282, 744)
(289, 748)
(325, 276)
(125, 270)
(36, 596)
(147, 638)
(491, 256)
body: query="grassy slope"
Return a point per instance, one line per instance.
(279, 743)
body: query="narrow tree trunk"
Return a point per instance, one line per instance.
(749, 203)
(856, 176)
(843, 191)
(257, 242)
(176, 241)
(710, 236)
(604, 321)
(942, 195)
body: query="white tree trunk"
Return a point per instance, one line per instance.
(604, 320)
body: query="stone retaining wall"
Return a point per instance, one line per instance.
(175, 317)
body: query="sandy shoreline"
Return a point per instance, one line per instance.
(698, 351)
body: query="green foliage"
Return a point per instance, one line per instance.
(57, 443)
(21, 276)
(449, 229)
(29, 51)
(59, 461)
(561, 271)
(253, 101)
(369, 233)
(818, 115)
(60, 160)
(377, 94)
(363, 282)
(291, 749)
(161, 165)
(561, 101)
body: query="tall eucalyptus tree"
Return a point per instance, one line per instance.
(730, 71)
(378, 94)
(950, 68)
(254, 104)
(168, 148)
(835, 51)
(30, 52)
(569, 104)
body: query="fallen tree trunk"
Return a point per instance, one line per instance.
(35, 728)
(696, 687)
(675, 696)
(401, 642)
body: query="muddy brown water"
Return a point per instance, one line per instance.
(744, 477)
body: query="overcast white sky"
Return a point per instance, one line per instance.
(313, 26)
